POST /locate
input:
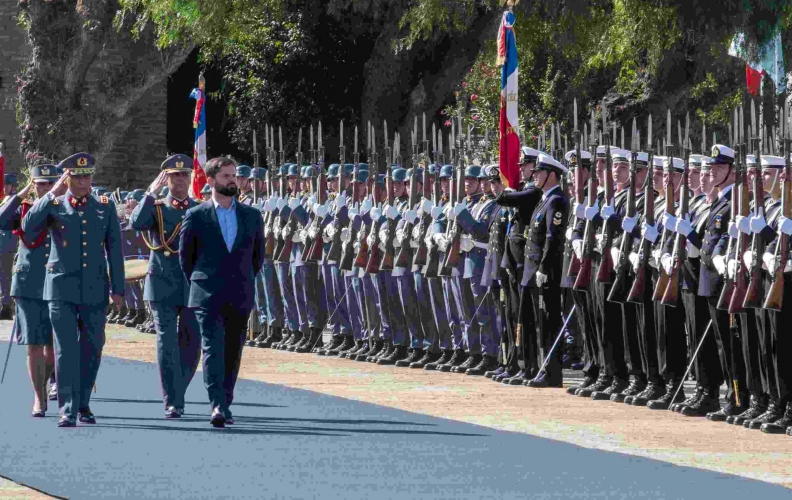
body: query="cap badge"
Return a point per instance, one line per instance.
(45, 171)
(179, 164)
(715, 151)
(81, 162)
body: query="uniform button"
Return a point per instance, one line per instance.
(85, 265)
(85, 232)
(85, 243)
(46, 255)
(85, 254)
(84, 221)
(47, 245)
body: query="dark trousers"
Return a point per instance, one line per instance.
(764, 356)
(511, 319)
(222, 338)
(585, 327)
(178, 347)
(632, 341)
(749, 333)
(706, 366)
(729, 344)
(671, 342)
(781, 343)
(546, 306)
(647, 338)
(610, 334)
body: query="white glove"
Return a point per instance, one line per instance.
(719, 261)
(733, 230)
(281, 203)
(615, 254)
(758, 223)
(649, 232)
(466, 243)
(270, 204)
(366, 205)
(457, 210)
(592, 211)
(654, 260)
(608, 211)
(441, 241)
(376, 213)
(580, 210)
(391, 212)
(568, 234)
(320, 210)
(399, 239)
(410, 216)
(731, 268)
(383, 236)
(667, 262)
(294, 203)
(748, 259)
(541, 279)
(629, 223)
(436, 212)
(577, 247)
(769, 260)
(634, 260)
(785, 225)
(341, 199)
(371, 240)
(669, 222)
(312, 200)
(426, 206)
(353, 212)
(683, 227)
(743, 224)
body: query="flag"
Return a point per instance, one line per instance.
(199, 151)
(768, 61)
(509, 126)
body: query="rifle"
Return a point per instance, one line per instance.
(775, 294)
(753, 293)
(453, 254)
(618, 292)
(255, 169)
(419, 260)
(288, 236)
(740, 282)
(430, 269)
(315, 252)
(362, 256)
(679, 254)
(589, 237)
(319, 190)
(606, 261)
(346, 263)
(274, 242)
(375, 255)
(636, 294)
(334, 253)
(386, 264)
(662, 276)
(405, 251)
(580, 195)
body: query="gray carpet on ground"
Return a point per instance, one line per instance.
(291, 443)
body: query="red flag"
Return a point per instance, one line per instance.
(753, 79)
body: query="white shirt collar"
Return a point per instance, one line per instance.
(547, 193)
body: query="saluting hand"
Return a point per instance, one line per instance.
(160, 182)
(60, 187)
(25, 190)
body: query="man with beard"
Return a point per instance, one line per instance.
(221, 251)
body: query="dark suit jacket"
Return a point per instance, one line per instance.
(216, 275)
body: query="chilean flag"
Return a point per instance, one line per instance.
(199, 151)
(509, 125)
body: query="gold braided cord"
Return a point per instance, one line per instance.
(165, 242)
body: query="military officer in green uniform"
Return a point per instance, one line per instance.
(27, 285)
(86, 241)
(178, 338)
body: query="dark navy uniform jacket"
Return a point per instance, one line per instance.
(545, 238)
(714, 242)
(165, 281)
(523, 204)
(30, 266)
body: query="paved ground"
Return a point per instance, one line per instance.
(546, 413)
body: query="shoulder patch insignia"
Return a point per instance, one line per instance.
(557, 219)
(104, 199)
(718, 221)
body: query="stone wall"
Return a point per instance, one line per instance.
(136, 158)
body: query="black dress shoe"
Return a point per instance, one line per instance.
(335, 341)
(284, 340)
(383, 353)
(347, 342)
(398, 353)
(508, 373)
(171, 412)
(602, 383)
(518, 378)
(428, 357)
(414, 356)
(366, 352)
(774, 412)
(486, 364)
(357, 346)
(781, 425)
(757, 406)
(616, 387)
(459, 357)
(652, 392)
(637, 386)
(729, 410)
(273, 337)
(67, 422)
(587, 381)
(469, 363)
(705, 404)
(443, 359)
(664, 401)
(544, 380)
(218, 420)
(494, 373)
(308, 344)
(295, 339)
(85, 416)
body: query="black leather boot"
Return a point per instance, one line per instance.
(487, 363)
(443, 359)
(636, 387)
(616, 387)
(457, 359)
(398, 353)
(414, 356)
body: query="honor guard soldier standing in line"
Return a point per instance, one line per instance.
(86, 240)
(33, 324)
(521, 204)
(166, 288)
(243, 173)
(541, 277)
(8, 247)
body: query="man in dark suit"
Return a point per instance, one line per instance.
(221, 251)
